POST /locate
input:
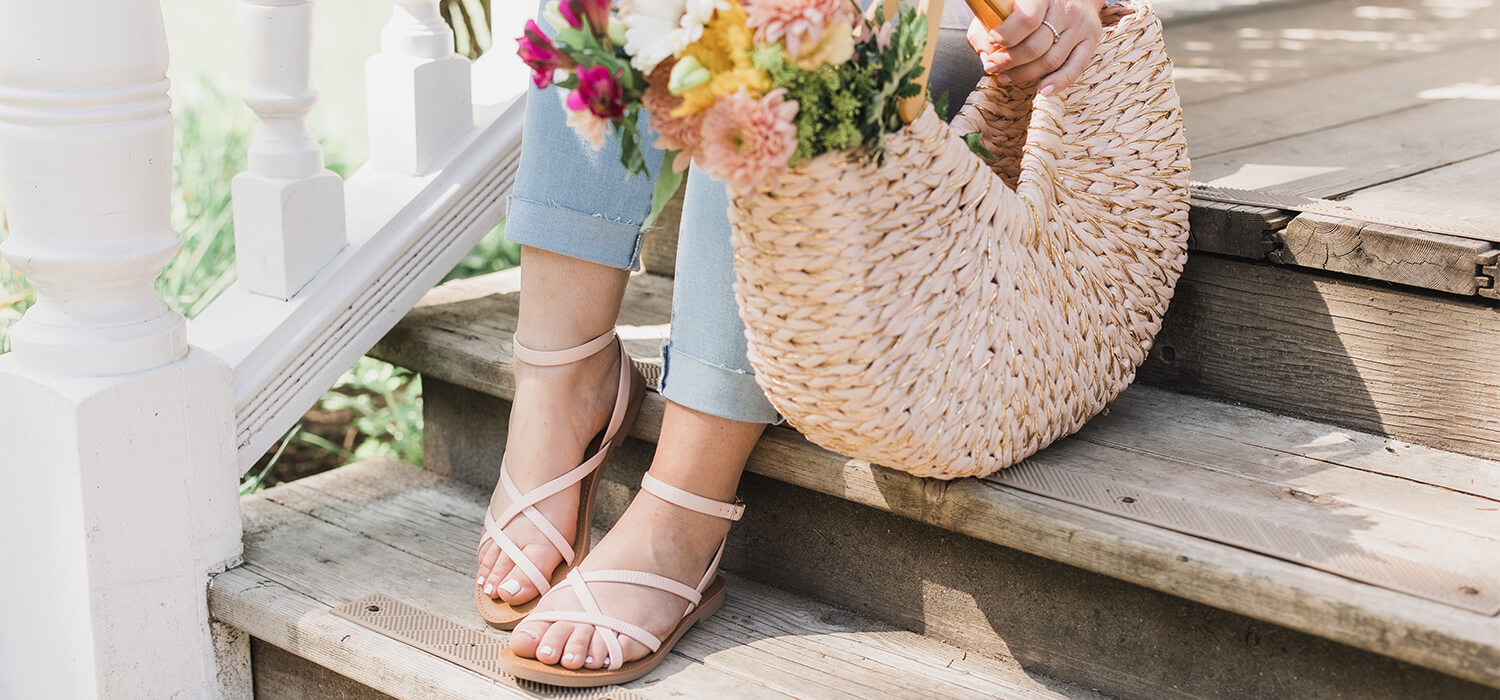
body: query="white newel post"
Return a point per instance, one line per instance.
(117, 469)
(420, 103)
(288, 208)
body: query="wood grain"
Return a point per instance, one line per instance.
(1250, 584)
(1467, 189)
(1339, 160)
(1245, 52)
(384, 526)
(1387, 253)
(1329, 101)
(1411, 366)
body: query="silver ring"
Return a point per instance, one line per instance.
(1055, 34)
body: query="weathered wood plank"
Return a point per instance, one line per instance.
(1468, 189)
(1412, 366)
(1387, 253)
(282, 675)
(766, 639)
(1304, 106)
(1234, 229)
(1335, 161)
(1239, 53)
(1261, 587)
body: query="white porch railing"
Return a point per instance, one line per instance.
(124, 429)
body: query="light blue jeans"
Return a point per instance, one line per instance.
(575, 201)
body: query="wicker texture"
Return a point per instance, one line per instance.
(950, 316)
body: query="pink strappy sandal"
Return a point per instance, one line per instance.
(631, 387)
(704, 600)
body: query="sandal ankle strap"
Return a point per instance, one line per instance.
(553, 358)
(692, 501)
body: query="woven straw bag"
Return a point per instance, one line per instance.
(950, 316)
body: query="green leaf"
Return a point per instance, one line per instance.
(973, 138)
(666, 186)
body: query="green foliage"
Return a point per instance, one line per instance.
(386, 401)
(492, 254)
(852, 104)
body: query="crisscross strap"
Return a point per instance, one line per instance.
(553, 358)
(610, 627)
(692, 501)
(524, 504)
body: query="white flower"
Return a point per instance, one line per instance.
(658, 29)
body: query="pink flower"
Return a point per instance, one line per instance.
(796, 22)
(595, 11)
(747, 142)
(598, 89)
(586, 123)
(538, 52)
(674, 133)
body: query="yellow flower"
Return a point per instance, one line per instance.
(836, 46)
(724, 49)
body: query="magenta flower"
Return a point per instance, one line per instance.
(600, 92)
(538, 52)
(595, 11)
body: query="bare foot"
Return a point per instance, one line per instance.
(652, 536)
(556, 414)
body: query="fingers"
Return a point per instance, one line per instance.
(1056, 59)
(1071, 69)
(1023, 21)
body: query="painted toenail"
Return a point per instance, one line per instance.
(511, 586)
(544, 651)
(489, 589)
(588, 659)
(568, 657)
(479, 581)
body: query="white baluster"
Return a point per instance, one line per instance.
(288, 208)
(115, 436)
(419, 91)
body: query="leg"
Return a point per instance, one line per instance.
(578, 218)
(715, 415)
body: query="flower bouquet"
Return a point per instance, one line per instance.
(746, 89)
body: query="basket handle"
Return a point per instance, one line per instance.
(990, 12)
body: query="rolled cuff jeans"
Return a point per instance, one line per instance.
(572, 200)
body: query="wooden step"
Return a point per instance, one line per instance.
(1378, 544)
(385, 527)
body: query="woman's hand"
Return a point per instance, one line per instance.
(1050, 40)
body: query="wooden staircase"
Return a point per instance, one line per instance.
(1296, 500)
(1177, 547)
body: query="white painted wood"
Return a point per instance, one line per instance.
(420, 103)
(500, 79)
(120, 485)
(86, 168)
(405, 233)
(288, 208)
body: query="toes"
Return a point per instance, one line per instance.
(550, 649)
(489, 555)
(501, 579)
(597, 651)
(512, 586)
(575, 650)
(527, 637)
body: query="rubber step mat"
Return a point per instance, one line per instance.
(1472, 592)
(470, 648)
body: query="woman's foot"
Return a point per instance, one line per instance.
(652, 536)
(558, 410)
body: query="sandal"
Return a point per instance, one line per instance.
(632, 386)
(702, 601)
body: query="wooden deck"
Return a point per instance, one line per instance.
(1390, 109)
(1375, 543)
